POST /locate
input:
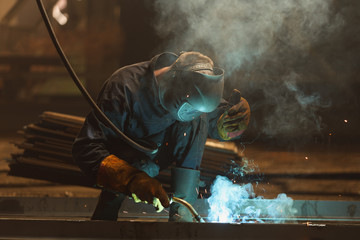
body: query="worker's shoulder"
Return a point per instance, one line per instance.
(133, 69)
(131, 75)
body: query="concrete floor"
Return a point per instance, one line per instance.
(62, 229)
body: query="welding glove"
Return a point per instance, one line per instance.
(185, 185)
(156, 202)
(118, 175)
(234, 121)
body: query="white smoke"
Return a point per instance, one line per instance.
(237, 202)
(241, 31)
(265, 48)
(230, 202)
(294, 111)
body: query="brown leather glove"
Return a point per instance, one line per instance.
(234, 121)
(118, 175)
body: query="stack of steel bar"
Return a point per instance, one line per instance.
(47, 145)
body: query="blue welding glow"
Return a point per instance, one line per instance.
(230, 203)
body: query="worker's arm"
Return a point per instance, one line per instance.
(95, 141)
(95, 148)
(89, 148)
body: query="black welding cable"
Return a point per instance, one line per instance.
(100, 114)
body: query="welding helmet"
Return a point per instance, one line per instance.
(191, 87)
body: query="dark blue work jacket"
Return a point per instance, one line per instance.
(130, 99)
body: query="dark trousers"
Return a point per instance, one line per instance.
(185, 144)
(108, 206)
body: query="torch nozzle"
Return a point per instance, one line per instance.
(188, 206)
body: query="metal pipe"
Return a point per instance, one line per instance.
(189, 207)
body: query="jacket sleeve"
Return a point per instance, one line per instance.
(94, 141)
(89, 148)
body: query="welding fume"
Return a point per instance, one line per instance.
(173, 102)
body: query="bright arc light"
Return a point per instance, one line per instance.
(231, 203)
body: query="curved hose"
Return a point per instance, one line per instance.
(100, 114)
(189, 207)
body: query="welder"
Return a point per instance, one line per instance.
(172, 101)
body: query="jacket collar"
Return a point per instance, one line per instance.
(164, 59)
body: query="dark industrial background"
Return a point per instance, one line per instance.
(296, 62)
(100, 37)
(304, 93)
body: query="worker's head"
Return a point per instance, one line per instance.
(192, 86)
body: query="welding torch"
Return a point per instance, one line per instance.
(158, 206)
(188, 206)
